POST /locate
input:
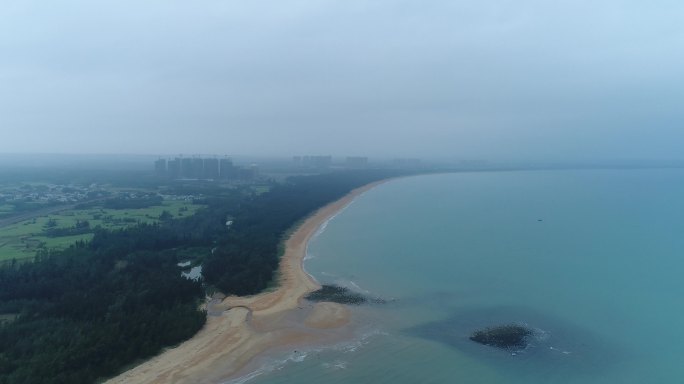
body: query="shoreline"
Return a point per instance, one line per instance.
(239, 330)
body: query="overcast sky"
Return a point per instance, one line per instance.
(575, 79)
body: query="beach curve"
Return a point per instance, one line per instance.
(240, 329)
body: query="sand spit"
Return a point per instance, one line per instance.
(239, 329)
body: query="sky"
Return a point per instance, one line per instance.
(486, 79)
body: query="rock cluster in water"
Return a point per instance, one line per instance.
(510, 336)
(340, 295)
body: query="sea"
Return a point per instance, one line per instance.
(591, 260)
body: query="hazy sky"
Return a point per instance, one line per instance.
(575, 79)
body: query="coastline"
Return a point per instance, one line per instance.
(241, 329)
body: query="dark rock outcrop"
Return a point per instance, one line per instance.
(510, 336)
(341, 295)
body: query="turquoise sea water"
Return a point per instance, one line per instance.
(591, 259)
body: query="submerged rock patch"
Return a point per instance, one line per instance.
(336, 294)
(509, 337)
(340, 295)
(550, 342)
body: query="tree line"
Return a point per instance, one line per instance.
(248, 254)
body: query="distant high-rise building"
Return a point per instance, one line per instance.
(160, 167)
(208, 169)
(248, 173)
(211, 168)
(227, 169)
(173, 168)
(254, 170)
(197, 168)
(186, 168)
(356, 162)
(318, 162)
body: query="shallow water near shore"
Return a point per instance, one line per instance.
(590, 260)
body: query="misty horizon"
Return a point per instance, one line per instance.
(495, 80)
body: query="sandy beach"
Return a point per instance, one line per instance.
(240, 329)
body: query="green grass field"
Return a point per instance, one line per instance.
(21, 241)
(261, 189)
(6, 210)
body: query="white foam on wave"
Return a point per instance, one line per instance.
(319, 231)
(308, 255)
(540, 338)
(363, 340)
(348, 283)
(540, 334)
(560, 350)
(335, 365)
(324, 225)
(357, 288)
(271, 366)
(301, 355)
(246, 378)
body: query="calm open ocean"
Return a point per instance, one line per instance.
(593, 260)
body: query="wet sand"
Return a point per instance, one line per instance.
(240, 329)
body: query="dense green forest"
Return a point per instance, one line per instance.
(85, 313)
(247, 256)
